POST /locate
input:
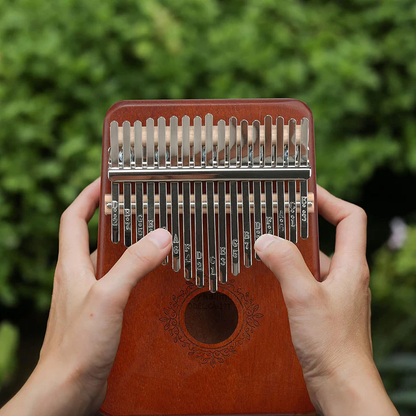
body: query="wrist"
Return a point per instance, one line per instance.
(355, 388)
(52, 389)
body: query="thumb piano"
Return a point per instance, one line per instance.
(207, 332)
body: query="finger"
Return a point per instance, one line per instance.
(93, 257)
(73, 233)
(286, 262)
(325, 264)
(137, 261)
(351, 233)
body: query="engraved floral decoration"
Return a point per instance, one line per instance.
(211, 356)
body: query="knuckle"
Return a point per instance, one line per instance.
(285, 251)
(347, 209)
(139, 255)
(60, 273)
(59, 270)
(359, 212)
(302, 298)
(103, 296)
(84, 273)
(364, 274)
(99, 292)
(65, 216)
(309, 294)
(369, 295)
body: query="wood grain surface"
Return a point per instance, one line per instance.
(160, 367)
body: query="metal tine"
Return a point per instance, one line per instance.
(138, 157)
(292, 184)
(114, 147)
(256, 144)
(174, 188)
(150, 162)
(222, 213)
(115, 188)
(304, 161)
(187, 223)
(234, 162)
(197, 144)
(245, 162)
(244, 144)
(268, 148)
(222, 145)
(281, 160)
(258, 220)
(127, 162)
(304, 142)
(199, 225)
(212, 239)
(209, 143)
(268, 160)
(161, 164)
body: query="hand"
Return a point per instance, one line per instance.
(330, 320)
(85, 319)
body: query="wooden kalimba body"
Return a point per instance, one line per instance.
(207, 332)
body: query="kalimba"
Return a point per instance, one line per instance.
(207, 332)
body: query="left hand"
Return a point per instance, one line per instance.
(85, 320)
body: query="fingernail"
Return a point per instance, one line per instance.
(263, 241)
(160, 238)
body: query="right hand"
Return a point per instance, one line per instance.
(330, 320)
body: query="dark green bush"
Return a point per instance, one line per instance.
(62, 64)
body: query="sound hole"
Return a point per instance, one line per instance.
(211, 318)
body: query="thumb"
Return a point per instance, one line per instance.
(284, 259)
(137, 261)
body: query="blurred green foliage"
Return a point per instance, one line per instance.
(9, 337)
(62, 64)
(393, 287)
(394, 331)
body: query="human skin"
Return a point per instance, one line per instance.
(329, 320)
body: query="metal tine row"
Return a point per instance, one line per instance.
(242, 150)
(297, 154)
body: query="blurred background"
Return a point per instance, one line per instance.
(64, 63)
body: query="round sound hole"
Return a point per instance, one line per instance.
(211, 318)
